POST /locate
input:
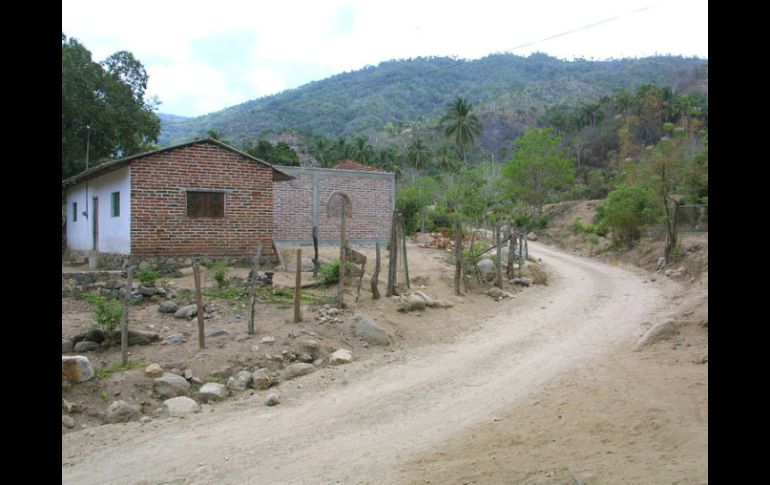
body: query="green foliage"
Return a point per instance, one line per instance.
(330, 273)
(459, 122)
(437, 218)
(592, 238)
(412, 198)
(626, 210)
(108, 312)
(537, 168)
(279, 154)
(471, 253)
(677, 253)
(219, 272)
(104, 110)
(147, 276)
(107, 371)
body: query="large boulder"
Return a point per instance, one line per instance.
(414, 302)
(532, 236)
(179, 406)
(241, 381)
(487, 269)
(123, 412)
(428, 300)
(212, 391)
(298, 369)
(307, 264)
(153, 370)
(260, 379)
(66, 346)
(168, 307)
(536, 273)
(187, 311)
(85, 346)
(171, 385)
(367, 329)
(76, 368)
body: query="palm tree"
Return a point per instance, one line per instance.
(462, 124)
(418, 156)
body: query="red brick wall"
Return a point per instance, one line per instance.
(371, 194)
(159, 222)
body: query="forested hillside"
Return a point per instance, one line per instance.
(510, 92)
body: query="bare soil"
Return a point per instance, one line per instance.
(543, 388)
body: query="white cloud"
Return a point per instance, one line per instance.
(342, 35)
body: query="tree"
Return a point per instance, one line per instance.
(538, 167)
(461, 123)
(104, 112)
(418, 156)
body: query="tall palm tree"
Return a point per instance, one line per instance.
(418, 155)
(461, 123)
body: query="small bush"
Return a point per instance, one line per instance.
(626, 210)
(577, 227)
(147, 276)
(107, 371)
(108, 312)
(219, 272)
(330, 273)
(593, 239)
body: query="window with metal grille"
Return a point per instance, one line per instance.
(116, 204)
(205, 204)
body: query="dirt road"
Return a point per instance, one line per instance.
(362, 423)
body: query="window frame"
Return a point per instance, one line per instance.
(74, 211)
(115, 208)
(223, 192)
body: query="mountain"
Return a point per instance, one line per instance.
(508, 91)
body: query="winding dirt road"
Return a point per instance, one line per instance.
(360, 423)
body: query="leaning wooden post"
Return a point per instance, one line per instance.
(253, 300)
(499, 257)
(376, 274)
(403, 250)
(458, 254)
(511, 245)
(393, 257)
(343, 244)
(124, 323)
(298, 287)
(199, 304)
(315, 252)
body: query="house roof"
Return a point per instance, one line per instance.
(353, 165)
(278, 176)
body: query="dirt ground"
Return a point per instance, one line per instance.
(430, 272)
(460, 395)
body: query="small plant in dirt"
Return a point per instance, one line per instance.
(108, 312)
(677, 253)
(107, 371)
(219, 272)
(593, 239)
(330, 273)
(147, 276)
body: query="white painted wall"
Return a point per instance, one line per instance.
(114, 232)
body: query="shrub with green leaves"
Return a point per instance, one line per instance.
(219, 272)
(108, 312)
(147, 276)
(626, 210)
(330, 273)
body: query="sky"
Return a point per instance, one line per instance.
(204, 56)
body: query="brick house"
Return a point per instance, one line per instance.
(201, 198)
(205, 198)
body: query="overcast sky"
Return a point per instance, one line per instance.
(203, 56)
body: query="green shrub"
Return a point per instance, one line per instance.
(593, 238)
(330, 273)
(577, 227)
(147, 276)
(438, 218)
(626, 210)
(108, 312)
(219, 272)
(107, 371)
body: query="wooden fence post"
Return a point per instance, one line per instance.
(343, 244)
(298, 287)
(253, 299)
(393, 257)
(124, 323)
(376, 274)
(315, 252)
(199, 304)
(499, 256)
(403, 251)
(511, 245)
(458, 254)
